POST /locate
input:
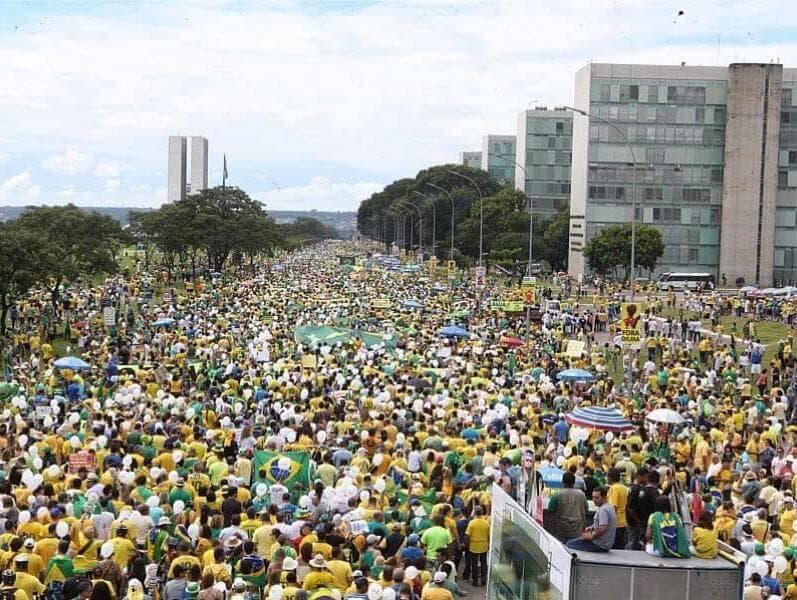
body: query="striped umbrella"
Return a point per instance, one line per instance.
(600, 417)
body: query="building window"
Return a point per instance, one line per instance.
(785, 97)
(560, 127)
(606, 92)
(667, 215)
(719, 116)
(700, 116)
(654, 155)
(716, 175)
(654, 194)
(783, 179)
(692, 255)
(697, 196)
(552, 142)
(792, 157)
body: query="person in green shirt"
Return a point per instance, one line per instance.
(435, 538)
(179, 493)
(60, 567)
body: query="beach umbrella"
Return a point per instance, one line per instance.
(575, 375)
(454, 331)
(72, 362)
(599, 417)
(164, 322)
(665, 415)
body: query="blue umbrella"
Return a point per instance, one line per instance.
(575, 375)
(454, 331)
(600, 417)
(72, 362)
(164, 322)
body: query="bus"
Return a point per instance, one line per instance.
(686, 281)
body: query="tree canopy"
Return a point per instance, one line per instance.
(610, 249)
(214, 225)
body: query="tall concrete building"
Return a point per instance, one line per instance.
(544, 142)
(177, 168)
(498, 157)
(709, 159)
(178, 183)
(471, 159)
(199, 164)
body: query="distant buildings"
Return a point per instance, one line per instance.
(498, 157)
(178, 185)
(714, 162)
(471, 159)
(545, 140)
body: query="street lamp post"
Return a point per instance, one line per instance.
(481, 210)
(450, 199)
(420, 223)
(619, 130)
(434, 220)
(526, 179)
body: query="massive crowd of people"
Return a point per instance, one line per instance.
(164, 459)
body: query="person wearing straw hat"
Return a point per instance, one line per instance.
(319, 576)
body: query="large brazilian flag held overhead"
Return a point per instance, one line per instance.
(286, 467)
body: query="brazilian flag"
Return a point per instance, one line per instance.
(287, 468)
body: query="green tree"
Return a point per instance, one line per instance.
(556, 240)
(20, 267)
(307, 229)
(610, 249)
(504, 212)
(72, 243)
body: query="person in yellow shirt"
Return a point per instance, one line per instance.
(219, 568)
(704, 536)
(123, 548)
(35, 563)
(24, 580)
(319, 576)
(477, 536)
(8, 585)
(617, 496)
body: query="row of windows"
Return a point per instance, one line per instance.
(675, 174)
(548, 157)
(661, 114)
(682, 94)
(548, 187)
(549, 142)
(548, 126)
(709, 136)
(651, 194)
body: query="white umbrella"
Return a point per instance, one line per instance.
(665, 415)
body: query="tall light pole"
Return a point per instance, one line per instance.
(526, 179)
(619, 130)
(481, 210)
(420, 222)
(434, 219)
(450, 199)
(399, 219)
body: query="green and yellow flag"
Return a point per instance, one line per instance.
(286, 467)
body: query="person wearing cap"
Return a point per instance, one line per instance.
(435, 589)
(319, 576)
(24, 580)
(35, 562)
(8, 588)
(360, 589)
(156, 540)
(180, 493)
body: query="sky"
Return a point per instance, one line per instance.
(316, 104)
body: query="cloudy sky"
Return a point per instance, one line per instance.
(327, 101)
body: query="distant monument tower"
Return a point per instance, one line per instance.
(178, 183)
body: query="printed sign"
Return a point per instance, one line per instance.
(109, 316)
(631, 322)
(480, 278)
(81, 459)
(575, 348)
